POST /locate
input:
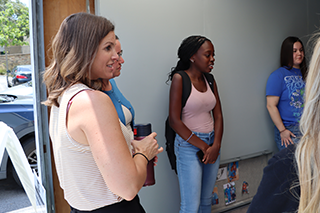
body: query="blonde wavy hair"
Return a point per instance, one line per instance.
(74, 49)
(308, 150)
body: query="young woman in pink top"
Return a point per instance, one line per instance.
(199, 125)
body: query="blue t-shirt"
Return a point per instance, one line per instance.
(289, 86)
(118, 99)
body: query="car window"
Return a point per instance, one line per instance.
(24, 68)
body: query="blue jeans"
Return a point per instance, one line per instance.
(294, 129)
(196, 180)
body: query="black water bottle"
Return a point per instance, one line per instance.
(140, 132)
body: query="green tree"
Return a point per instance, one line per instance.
(14, 24)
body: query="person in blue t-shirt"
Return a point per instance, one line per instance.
(111, 89)
(285, 92)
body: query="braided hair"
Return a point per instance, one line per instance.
(188, 48)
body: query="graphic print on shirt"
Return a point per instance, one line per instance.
(295, 85)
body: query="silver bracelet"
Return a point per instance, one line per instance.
(190, 137)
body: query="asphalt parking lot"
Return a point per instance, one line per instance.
(13, 199)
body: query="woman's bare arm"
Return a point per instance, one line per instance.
(93, 121)
(272, 102)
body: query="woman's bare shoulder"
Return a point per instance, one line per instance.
(92, 97)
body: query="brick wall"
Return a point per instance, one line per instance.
(14, 60)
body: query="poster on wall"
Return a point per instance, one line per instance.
(233, 171)
(229, 190)
(222, 174)
(215, 197)
(245, 187)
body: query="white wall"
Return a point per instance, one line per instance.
(247, 36)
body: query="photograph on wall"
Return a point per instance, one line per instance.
(215, 197)
(229, 190)
(233, 171)
(222, 174)
(245, 187)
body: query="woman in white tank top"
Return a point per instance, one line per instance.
(92, 150)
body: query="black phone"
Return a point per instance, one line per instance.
(200, 154)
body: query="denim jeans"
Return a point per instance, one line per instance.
(196, 180)
(294, 129)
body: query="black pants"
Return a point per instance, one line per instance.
(124, 206)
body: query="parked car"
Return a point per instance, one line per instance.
(16, 110)
(18, 75)
(21, 91)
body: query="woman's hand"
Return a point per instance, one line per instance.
(286, 137)
(147, 146)
(211, 154)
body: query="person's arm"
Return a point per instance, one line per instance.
(272, 102)
(175, 115)
(212, 153)
(93, 121)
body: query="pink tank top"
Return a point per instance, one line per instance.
(196, 114)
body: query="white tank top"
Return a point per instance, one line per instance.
(196, 114)
(79, 177)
